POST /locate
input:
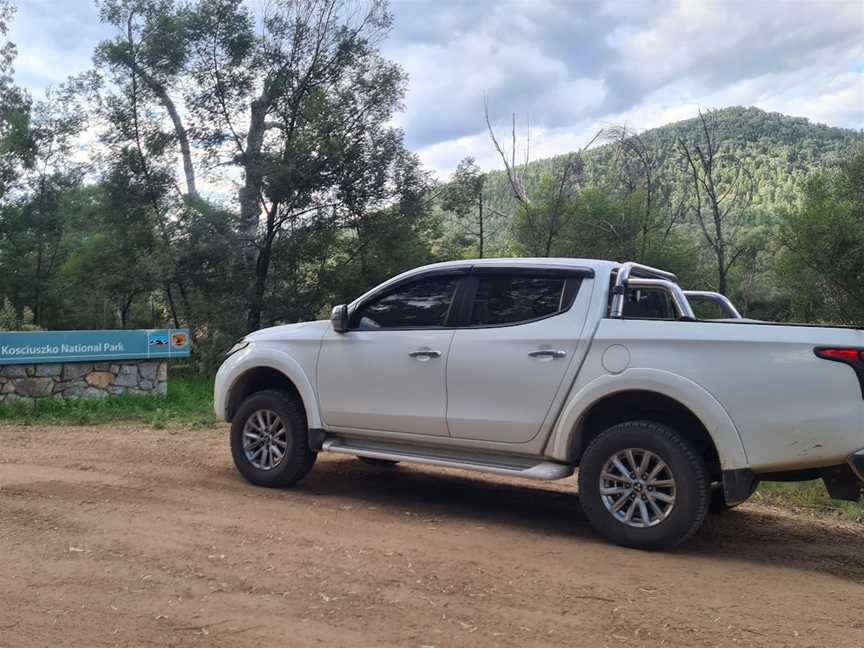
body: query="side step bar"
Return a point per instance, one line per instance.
(509, 466)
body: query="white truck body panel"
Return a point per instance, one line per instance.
(790, 408)
(707, 409)
(385, 388)
(291, 350)
(496, 390)
(767, 401)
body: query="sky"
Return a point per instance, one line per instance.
(566, 67)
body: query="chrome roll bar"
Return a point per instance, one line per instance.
(639, 270)
(715, 298)
(648, 277)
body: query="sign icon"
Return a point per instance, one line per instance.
(159, 340)
(179, 340)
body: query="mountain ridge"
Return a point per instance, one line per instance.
(780, 150)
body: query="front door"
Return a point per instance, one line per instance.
(387, 372)
(507, 366)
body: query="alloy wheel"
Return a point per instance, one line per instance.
(637, 488)
(265, 439)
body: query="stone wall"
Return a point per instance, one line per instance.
(83, 380)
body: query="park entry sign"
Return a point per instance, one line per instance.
(78, 346)
(74, 364)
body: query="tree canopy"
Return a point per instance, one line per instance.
(227, 166)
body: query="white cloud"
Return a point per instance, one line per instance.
(55, 40)
(663, 62)
(571, 67)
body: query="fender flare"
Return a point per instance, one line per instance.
(272, 358)
(691, 395)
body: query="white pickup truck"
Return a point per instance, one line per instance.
(534, 367)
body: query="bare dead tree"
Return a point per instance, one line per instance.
(568, 181)
(513, 172)
(639, 173)
(721, 191)
(568, 176)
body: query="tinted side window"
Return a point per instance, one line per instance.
(503, 299)
(422, 304)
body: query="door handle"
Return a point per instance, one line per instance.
(425, 353)
(548, 353)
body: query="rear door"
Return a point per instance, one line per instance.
(521, 331)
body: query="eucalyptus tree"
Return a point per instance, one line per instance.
(464, 198)
(292, 104)
(16, 145)
(720, 189)
(143, 134)
(827, 227)
(148, 57)
(632, 210)
(651, 207)
(37, 215)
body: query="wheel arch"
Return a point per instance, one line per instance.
(277, 371)
(654, 395)
(637, 405)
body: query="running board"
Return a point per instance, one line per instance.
(526, 468)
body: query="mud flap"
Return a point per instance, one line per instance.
(316, 438)
(842, 483)
(738, 485)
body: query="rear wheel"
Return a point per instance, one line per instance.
(269, 441)
(381, 463)
(643, 485)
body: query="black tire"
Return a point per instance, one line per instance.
(718, 499)
(381, 463)
(298, 458)
(687, 469)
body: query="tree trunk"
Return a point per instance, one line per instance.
(124, 309)
(256, 302)
(170, 297)
(179, 129)
(250, 213)
(550, 237)
(250, 193)
(722, 281)
(720, 246)
(480, 211)
(37, 286)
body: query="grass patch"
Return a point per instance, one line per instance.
(189, 402)
(808, 495)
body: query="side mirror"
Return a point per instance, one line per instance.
(339, 318)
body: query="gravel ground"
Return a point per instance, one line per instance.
(131, 536)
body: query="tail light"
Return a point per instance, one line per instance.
(848, 356)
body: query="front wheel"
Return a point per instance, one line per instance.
(269, 441)
(643, 485)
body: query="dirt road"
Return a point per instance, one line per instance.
(140, 537)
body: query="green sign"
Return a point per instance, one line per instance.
(91, 346)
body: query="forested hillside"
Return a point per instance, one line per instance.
(780, 152)
(227, 171)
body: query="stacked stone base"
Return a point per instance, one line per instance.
(83, 380)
